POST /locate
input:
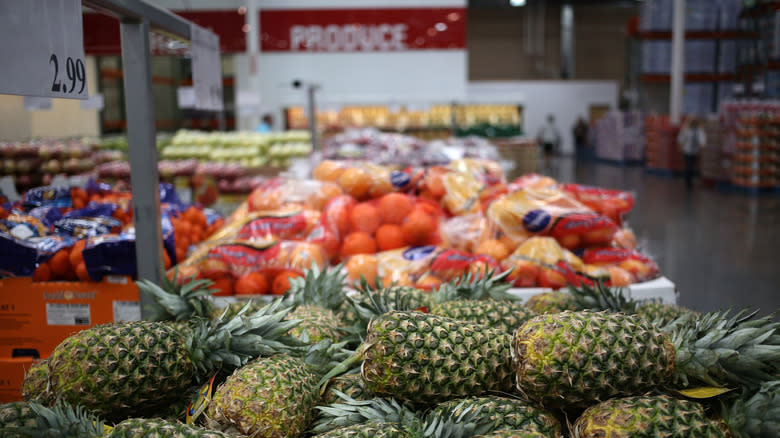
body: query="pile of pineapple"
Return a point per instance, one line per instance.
(468, 359)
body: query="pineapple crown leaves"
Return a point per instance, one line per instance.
(350, 412)
(475, 286)
(325, 355)
(464, 420)
(236, 341)
(719, 350)
(323, 288)
(602, 297)
(174, 302)
(60, 421)
(756, 415)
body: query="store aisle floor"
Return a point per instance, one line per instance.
(721, 249)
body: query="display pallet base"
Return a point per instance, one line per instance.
(660, 290)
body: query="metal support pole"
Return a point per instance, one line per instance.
(141, 136)
(567, 41)
(312, 109)
(678, 62)
(253, 52)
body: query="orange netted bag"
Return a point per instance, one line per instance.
(286, 224)
(551, 212)
(226, 262)
(278, 193)
(624, 266)
(362, 180)
(614, 204)
(542, 262)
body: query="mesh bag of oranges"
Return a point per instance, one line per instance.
(424, 267)
(293, 223)
(278, 193)
(392, 221)
(551, 212)
(542, 262)
(363, 180)
(533, 181)
(241, 267)
(614, 204)
(476, 234)
(623, 266)
(624, 238)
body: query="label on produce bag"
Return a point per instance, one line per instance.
(43, 54)
(127, 311)
(67, 314)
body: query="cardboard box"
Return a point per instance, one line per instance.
(12, 372)
(35, 317)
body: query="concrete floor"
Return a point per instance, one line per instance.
(721, 248)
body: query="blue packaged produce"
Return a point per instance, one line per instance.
(48, 196)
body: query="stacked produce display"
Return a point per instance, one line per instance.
(753, 128)
(467, 359)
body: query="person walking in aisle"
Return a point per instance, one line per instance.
(580, 132)
(691, 139)
(550, 138)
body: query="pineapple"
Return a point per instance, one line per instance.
(21, 419)
(317, 324)
(507, 316)
(474, 286)
(156, 428)
(551, 302)
(580, 358)
(499, 413)
(512, 434)
(350, 384)
(316, 297)
(35, 381)
(661, 313)
(665, 416)
(16, 414)
(452, 419)
(424, 358)
(374, 302)
(371, 429)
(270, 397)
(133, 369)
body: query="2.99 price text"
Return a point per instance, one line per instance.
(76, 73)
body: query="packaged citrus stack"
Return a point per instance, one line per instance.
(86, 233)
(421, 227)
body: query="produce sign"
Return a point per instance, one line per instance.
(47, 56)
(362, 30)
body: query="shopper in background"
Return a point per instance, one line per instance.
(266, 125)
(550, 138)
(580, 132)
(691, 139)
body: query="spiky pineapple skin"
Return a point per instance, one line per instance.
(658, 416)
(396, 298)
(371, 429)
(121, 370)
(36, 380)
(318, 324)
(349, 384)
(551, 302)
(513, 434)
(269, 397)
(424, 358)
(580, 358)
(504, 315)
(503, 413)
(156, 428)
(17, 414)
(661, 313)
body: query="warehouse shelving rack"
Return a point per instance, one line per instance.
(137, 20)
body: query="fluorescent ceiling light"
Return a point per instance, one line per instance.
(517, 2)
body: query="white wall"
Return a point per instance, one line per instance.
(567, 100)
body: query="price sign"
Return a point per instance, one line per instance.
(185, 96)
(43, 50)
(206, 69)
